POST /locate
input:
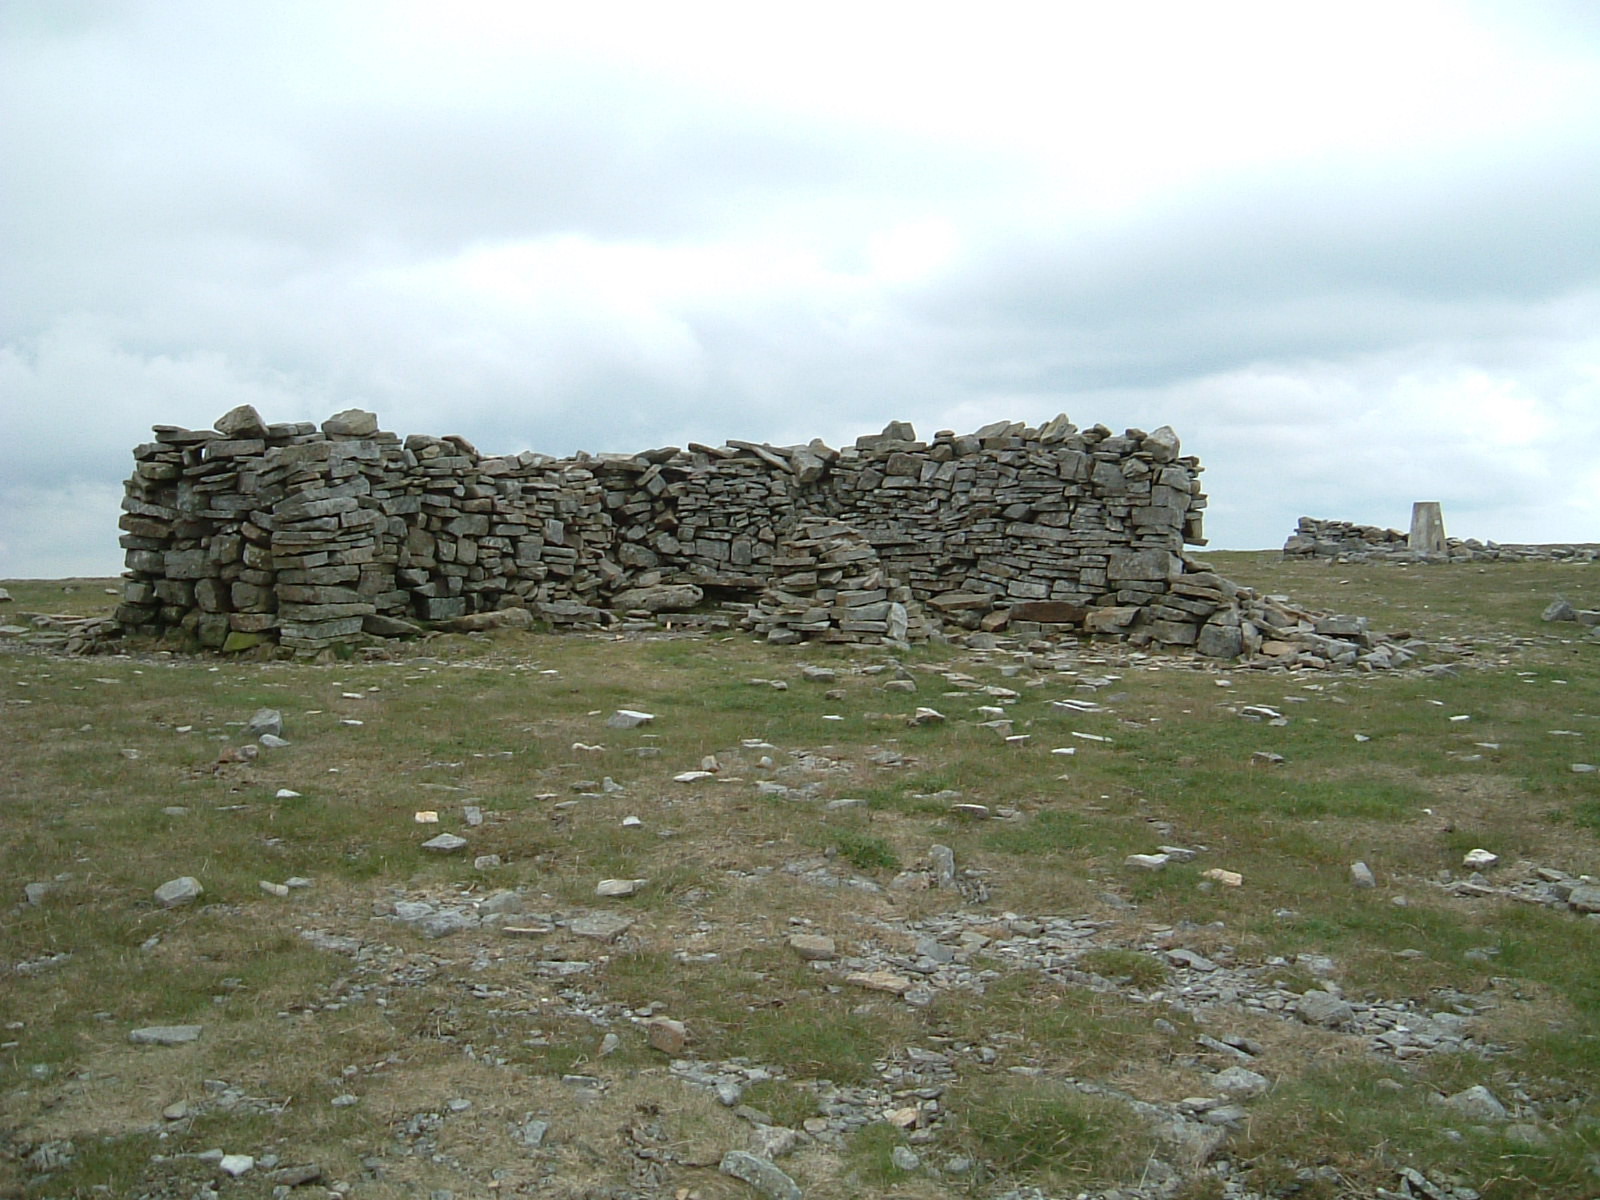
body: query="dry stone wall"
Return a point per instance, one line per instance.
(1345, 541)
(311, 536)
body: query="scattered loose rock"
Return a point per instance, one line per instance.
(760, 1174)
(183, 890)
(165, 1035)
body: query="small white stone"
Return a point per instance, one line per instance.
(286, 794)
(1479, 860)
(445, 843)
(628, 718)
(236, 1164)
(1147, 862)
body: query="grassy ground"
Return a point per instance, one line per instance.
(111, 784)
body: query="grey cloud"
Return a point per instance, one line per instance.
(224, 204)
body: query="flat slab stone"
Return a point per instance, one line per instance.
(628, 718)
(880, 981)
(165, 1035)
(813, 947)
(600, 927)
(760, 1174)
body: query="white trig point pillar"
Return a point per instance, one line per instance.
(1427, 527)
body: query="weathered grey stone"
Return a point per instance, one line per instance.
(1559, 609)
(183, 890)
(760, 1174)
(484, 622)
(265, 720)
(353, 422)
(165, 1035)
(1219, 641)
(1049, 612)
(600, 926)
(241, 422)
(813, 947)
(667, 1035)
(679, 597)
(1341, 626)
(1162, 444)
(1241, 1082)
(1477, 1103)
(1317, 1007)
(1585, 898)
(445, 922)
(942, 861)
(381, 625)
(628, 718)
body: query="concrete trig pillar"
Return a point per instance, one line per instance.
(1427, 527)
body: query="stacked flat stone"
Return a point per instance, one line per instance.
(828, 585)
(1021, 513)
(311, 537)
(1345, 541)
(1313, 538)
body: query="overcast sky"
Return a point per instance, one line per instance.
(1349, 251)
